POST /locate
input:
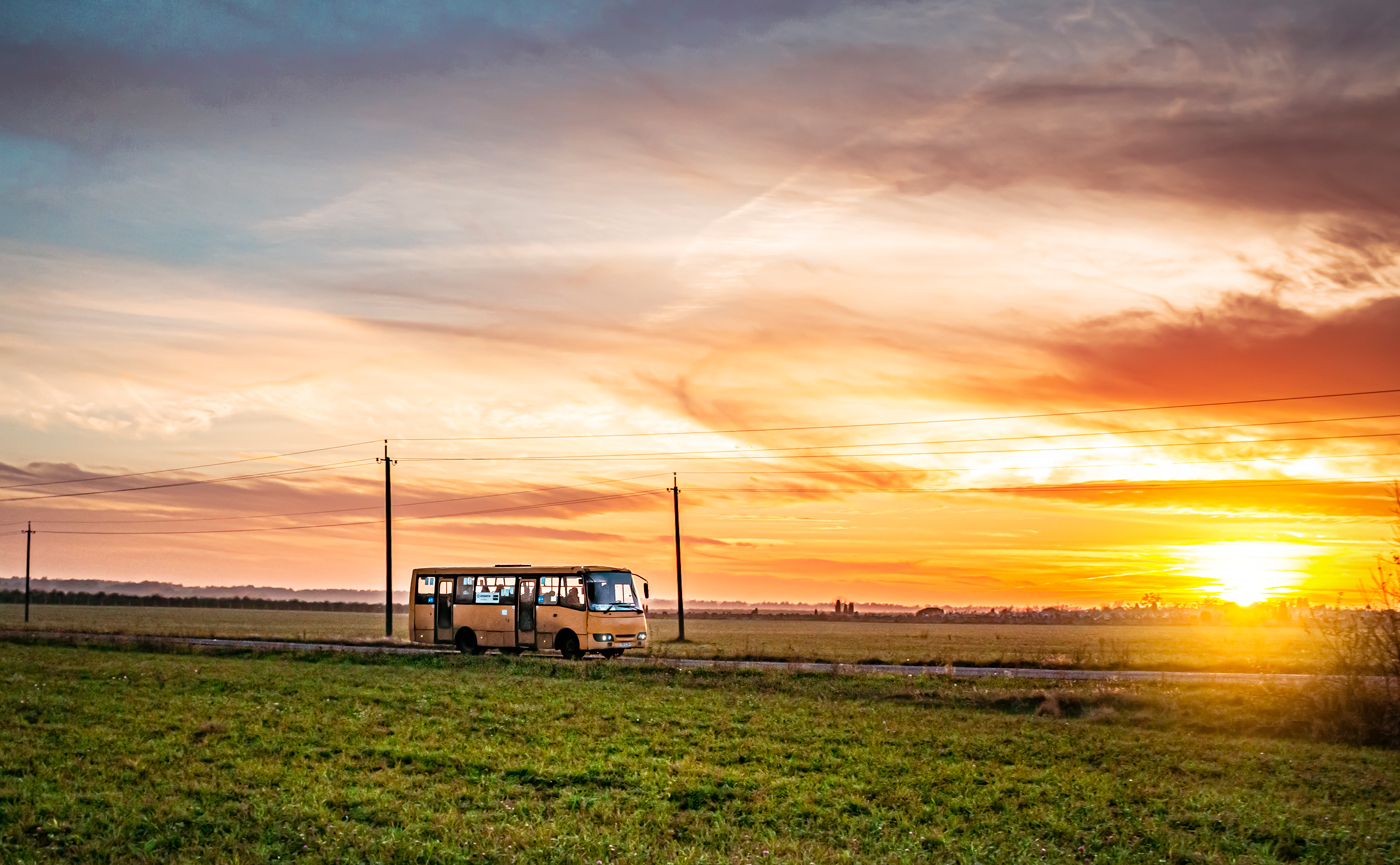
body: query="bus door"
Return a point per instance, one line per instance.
(525, 614)
(444, 609)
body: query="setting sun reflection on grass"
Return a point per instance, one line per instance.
(1247, 572)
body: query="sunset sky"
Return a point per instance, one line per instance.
(556, 251)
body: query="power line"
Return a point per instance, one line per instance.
(787, 472)
(770, 429)
(1032, 468)
(916, 422)
(1037, 437)
(781, 429)
(369, 522)
(185, 468)
(348, 510)
(1092, 486)
(751, 454)
(272, 474)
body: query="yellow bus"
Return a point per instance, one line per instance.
(575, 609)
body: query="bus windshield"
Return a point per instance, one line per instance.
(611, 590)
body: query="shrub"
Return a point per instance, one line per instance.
(1359, 700)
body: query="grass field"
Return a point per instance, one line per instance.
(1192, 647)
(115, 756)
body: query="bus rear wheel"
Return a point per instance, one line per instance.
(569, 648)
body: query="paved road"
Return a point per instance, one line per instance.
(690, 663)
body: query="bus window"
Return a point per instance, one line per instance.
(466, 590)
(495, 590)
(549, 591)
(611, 590)
(572, 593)
(426, 587)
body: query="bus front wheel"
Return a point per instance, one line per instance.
(569, 648)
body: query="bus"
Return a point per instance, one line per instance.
(575, 609)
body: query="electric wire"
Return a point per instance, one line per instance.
(379, 522)
(1109, 486)
(272, 474)
(786, 472)
(919, 422)
(349, 510)
(1038, 436)
(187, 468)
(1171, 464)
(753, 454)
(771, 429)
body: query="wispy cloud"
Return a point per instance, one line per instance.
(240, 229)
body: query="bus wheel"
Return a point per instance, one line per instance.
(466, 643)
(569, 648)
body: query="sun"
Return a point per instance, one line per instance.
(1247, 572)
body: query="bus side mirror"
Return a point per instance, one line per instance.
(646, 590)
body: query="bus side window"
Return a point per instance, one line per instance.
(466, 590)
(426, 587)
(573, 593)
(488, 590)
(549, 591)
(507, 590)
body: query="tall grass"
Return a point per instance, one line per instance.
(1359, 699)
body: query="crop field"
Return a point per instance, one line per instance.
(125, 756)
(1189, 647)
(197, 622)
(1145, 647)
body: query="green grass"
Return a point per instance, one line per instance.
(121, 756)
(1188, 647)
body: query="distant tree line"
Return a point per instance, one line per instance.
(112, 599)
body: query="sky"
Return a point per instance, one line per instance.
(1013, 303)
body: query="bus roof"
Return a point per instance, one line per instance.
(478, 570)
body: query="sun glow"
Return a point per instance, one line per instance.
(1246, 572)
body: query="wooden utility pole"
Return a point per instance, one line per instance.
(680, 592)
(28, 539)
(388, 544)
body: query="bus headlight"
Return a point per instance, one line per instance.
(641, 636)
(602, 638)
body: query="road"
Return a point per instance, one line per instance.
(77, 638)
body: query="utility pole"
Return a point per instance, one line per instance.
(28, 539)
(388, 545)
(680, 592)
